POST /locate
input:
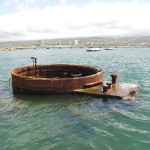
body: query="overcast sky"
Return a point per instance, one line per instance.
(47, 19)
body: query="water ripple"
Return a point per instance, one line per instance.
(73, 121)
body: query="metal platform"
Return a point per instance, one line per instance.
(118, 90)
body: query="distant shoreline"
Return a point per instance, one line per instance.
(59, 47)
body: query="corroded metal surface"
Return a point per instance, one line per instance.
(55, 78)
(118, 90)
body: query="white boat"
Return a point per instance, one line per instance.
(93, 49)
(109, 48)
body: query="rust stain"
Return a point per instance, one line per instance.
(54, 78)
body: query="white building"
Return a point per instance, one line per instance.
(76, 42)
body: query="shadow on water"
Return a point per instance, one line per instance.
(58, 101)
(73, 105)
(66, 98)
(63, 100)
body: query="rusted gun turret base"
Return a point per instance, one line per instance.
(118, 90)
(54, 78)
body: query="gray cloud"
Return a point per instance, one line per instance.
(6, 34)
(44, 30)
(112, 25)
(71, 20)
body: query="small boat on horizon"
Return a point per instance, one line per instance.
(109, 48)
(93, 49)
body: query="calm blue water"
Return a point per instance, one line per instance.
(74, 122)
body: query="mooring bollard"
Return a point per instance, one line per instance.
(105, 88)
(114, 77)
(109, 85)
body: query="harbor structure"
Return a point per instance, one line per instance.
(68, 78)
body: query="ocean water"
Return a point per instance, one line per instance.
(74, 122)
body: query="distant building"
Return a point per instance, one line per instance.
(42, 43)
(76, 42)
(70, 44)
